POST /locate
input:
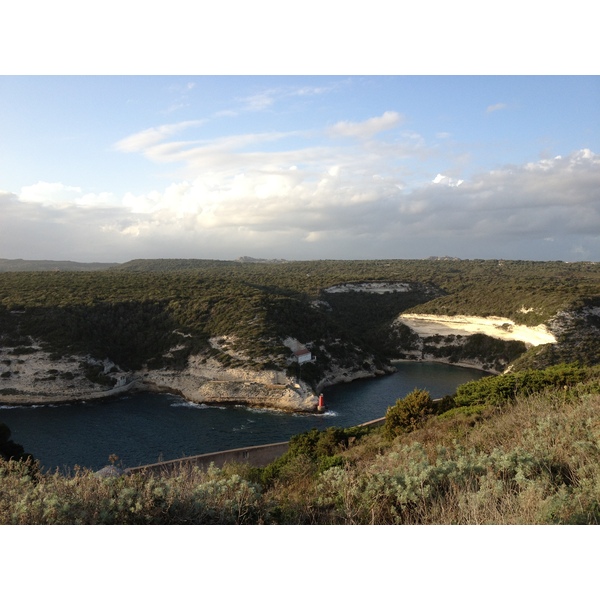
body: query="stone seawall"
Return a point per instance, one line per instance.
(257, 456)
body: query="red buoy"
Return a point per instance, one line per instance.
(321, 406)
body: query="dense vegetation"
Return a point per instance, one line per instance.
(136, 313)
(511, 449)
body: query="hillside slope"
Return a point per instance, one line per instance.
(162, 321)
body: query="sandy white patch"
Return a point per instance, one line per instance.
(496, 327)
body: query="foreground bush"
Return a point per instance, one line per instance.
(502, 388)
(189, 497)
(408, 413)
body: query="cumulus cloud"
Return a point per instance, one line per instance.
(261, 152)
(49, 194)
(445, 180)
(59, 195)
(267, 99)
(142, 140)
(6, 196)
(62, 230)
(234, 152)
(368, 128)
(494, 107)
(258, 102)
(548, 199)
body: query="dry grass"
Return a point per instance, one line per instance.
(187, 497)
(535, 461)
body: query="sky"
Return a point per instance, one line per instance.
(105, 166)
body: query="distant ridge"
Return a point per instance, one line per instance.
(179, 264)
(250, 259)
(170, 264)
(443, 258)
(19, 264)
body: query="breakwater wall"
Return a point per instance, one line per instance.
(256, 456)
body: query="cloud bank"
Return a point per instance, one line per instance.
(349, 191)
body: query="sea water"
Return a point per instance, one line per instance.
(147, 427)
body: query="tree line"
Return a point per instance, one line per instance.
(138, 311)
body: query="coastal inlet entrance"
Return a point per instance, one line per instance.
(146, 428)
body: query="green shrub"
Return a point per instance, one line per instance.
(319, 449)
(502, 388)
(408, 413)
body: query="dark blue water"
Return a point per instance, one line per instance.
(145, 428)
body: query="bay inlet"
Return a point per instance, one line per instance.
(148, 427)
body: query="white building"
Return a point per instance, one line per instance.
(303, 356)
(301, 353)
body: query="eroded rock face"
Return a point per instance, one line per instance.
(206, 381)
(29, 375)
(35, 377)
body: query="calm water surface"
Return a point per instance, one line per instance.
(144, 428)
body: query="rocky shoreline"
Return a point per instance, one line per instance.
(35, 378)
(31, 376)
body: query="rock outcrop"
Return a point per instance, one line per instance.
(31, 376)
(206, 381)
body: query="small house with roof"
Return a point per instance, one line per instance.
(301, 353)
